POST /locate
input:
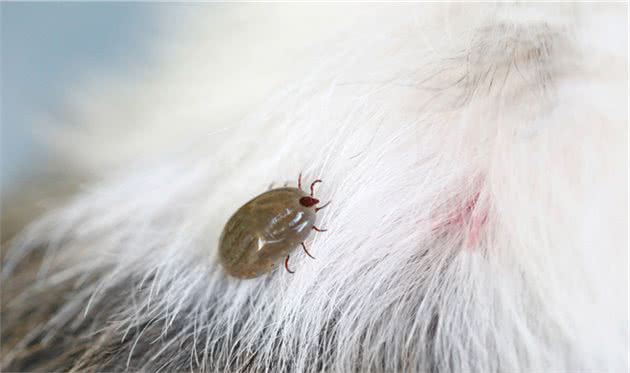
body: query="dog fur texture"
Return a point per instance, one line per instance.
(475, 156)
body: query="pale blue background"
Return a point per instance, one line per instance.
(43, 45)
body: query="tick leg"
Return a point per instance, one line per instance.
(286, 265)
(313, 184)
(306, 251)
(319, 230)
(319, 208)
(270, 186)
(300, 181)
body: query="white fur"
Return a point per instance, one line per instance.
(406, 111)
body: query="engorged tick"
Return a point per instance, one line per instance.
(266, 229)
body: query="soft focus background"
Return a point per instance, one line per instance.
(46, 49)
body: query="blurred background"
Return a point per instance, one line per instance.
(45, 49)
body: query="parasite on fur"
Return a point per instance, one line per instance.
(267, 229)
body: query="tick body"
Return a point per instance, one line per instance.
(265, 230)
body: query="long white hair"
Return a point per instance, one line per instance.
(475, 156)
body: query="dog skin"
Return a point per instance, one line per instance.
(475, 154)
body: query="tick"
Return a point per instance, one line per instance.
(267, 229)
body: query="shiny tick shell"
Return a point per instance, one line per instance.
(264, 231)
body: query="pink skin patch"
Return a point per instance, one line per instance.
(469, 217)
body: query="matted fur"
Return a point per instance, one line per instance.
(476, 160)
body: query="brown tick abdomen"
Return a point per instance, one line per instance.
(264, 231)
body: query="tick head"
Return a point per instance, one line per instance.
(308, 201)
